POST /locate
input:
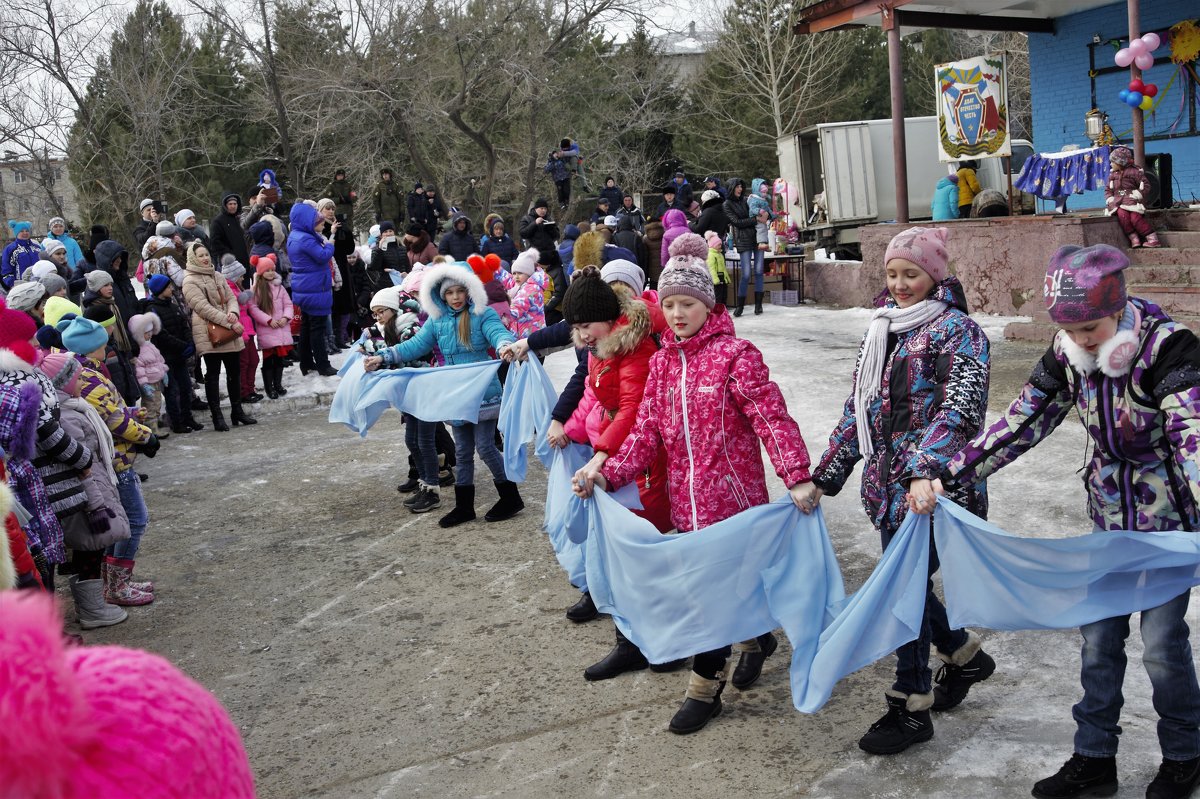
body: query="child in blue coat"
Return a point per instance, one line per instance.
(465, 330)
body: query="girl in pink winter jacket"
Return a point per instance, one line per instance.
(151, 369)
(709, 401)
(271, 309)
(527, 297)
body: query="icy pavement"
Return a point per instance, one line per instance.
(365, 652)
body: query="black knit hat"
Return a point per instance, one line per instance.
(413, 229)
(387, 225)
(540, 202)
(590, 299)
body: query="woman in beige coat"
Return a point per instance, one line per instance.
(208, 295)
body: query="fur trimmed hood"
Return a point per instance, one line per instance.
(433, 279)
(631, 330)
(1114, 357)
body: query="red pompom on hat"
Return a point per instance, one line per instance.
(263, 263)
(16, 331)
(485, 268)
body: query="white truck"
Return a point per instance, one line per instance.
(840, 176)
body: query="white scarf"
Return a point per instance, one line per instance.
(103, 435)
(874, 355)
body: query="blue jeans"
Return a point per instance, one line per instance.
(751, 260)
(129, 487)
(421, 438)
(913, 675)
(472, 438)
(1168, 660)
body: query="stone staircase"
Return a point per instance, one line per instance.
(1170, 276)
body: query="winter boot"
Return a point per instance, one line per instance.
(1081, 776)
(722, 292)
(268, 373)
(583, 610)
(1152, 242)
(625, 656)
(754, 654)
(191, 422)
(741, 306)
(277, 376)
(758, 298)
(1134, 240)
(509, 504)
(198, 404)
(181, 427)
(411, 484)
(464, 507)
(967, 666)
(90, 607)
(906, 723)
(238, 416)
(214, 407)
(427, 499)
(446, 478)
(146, 586)
(117, 590)
(1176, 779)
(701, 703)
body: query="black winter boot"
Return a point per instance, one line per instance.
(1176, 779)
(906, 723)
(218, 418)
(239, 416)
(625, 656)
(701, 703)
(962, 669)
(583, 610)
(268, 374)
(464, 507)
(741, 306)
(279, 389)
(1080, 776)
(509, 504)
(758, 298)
(722, 292)
(750, 664)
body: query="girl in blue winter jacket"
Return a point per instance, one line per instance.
(465, 330)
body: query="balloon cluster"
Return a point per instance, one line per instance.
(1139, 53)
(1138, 95)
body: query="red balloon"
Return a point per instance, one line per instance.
(1150, 90)
(1136, 85)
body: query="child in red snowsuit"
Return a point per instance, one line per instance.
(1125, 196)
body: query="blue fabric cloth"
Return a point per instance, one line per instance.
(525, 408)
(444, 393)
(563, 517)
(997, 580)
(1055, 175)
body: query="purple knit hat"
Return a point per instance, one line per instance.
(925, 247)
(1084, 284)
(687, 271)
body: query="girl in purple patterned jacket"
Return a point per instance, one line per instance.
(1133, 376)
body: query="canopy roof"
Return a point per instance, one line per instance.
(1031, 16)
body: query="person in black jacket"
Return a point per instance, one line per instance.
(669, 200)
(603, 210)
(630, 209)
(612, 192)
(745, 241)
(458, 242)
(174, 341)
(499, 242)
(628, 238)
(712, 215)
(225, 232)
(713, 183)
(388, 256)
(435, 210)
(418, 208)
(540, 231)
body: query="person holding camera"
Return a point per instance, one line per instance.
(151, 212)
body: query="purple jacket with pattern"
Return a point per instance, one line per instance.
(1143, 418)
(932, 401)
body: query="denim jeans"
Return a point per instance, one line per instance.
(750, 261)
(913, 675)
(481, 438)
(1167, 657)
(421, 438)
(129, 488)
(314, 353)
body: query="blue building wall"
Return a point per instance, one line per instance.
(1061, 88)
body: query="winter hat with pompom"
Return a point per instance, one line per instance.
(92, 721)
(590, 299)
(925, 247)
(714, 240)
(687, 272)
(1084, 284)
(526, 262)
(231, 268)
(62, 369)
(484, 267)
(263, 263)
(16, 331)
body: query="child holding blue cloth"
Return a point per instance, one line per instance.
(465, 330)
(1133, 376)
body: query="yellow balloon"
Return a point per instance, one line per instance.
(1146, 104)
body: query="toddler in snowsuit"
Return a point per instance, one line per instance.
(151, 370)
(1125, 194)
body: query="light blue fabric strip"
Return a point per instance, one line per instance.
(994, 579)
(525, 409)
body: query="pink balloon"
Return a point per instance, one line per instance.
(1123, 58)
(1137, 47)
(1152, 41)
(1144, 61)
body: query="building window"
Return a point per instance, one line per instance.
(18, 176)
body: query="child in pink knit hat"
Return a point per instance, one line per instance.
(919, 394)
(105, 721)
(709, 401)
(1125, 197)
